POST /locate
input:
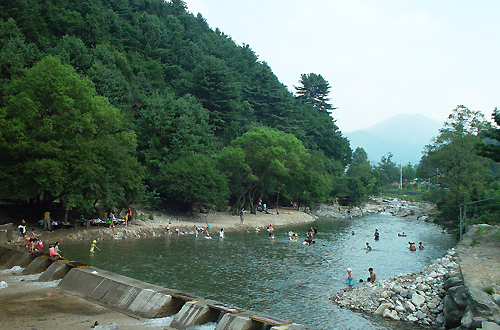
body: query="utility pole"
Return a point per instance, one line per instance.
(400, 176)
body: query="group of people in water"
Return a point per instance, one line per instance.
(373, 276)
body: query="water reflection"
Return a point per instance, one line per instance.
(280, 278)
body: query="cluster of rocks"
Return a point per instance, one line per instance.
(393, 206)
(426, 297)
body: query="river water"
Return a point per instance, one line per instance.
(279, 278)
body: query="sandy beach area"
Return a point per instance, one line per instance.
(157, 226)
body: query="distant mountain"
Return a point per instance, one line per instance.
(404, 135)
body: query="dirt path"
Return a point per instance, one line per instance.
(479, 252)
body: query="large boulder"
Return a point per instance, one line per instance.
(417, 300)
(391, 314)
(453, 319)
(380, 310)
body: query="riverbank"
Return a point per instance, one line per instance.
(452, 291)
(157, 225)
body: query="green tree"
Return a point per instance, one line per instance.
(458, 174)
(314, 90)
(314, 183)
(63, 139)
(360, 157)
(170, 128)
(409, 173)
(389, 167)
(195, 180)
(260, 161)
(490, 146)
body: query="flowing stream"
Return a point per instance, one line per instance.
(279, 278)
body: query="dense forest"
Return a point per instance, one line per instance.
(120, 102)
(125, 101)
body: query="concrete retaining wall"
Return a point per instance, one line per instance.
(56, 271)
(126, 293)
(137, 297)
(6, 232)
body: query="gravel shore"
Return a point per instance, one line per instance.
(156, 225)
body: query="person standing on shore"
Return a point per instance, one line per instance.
(242, 210)
(46, 221)
(22, 230)
(32, 240)
(129, 214)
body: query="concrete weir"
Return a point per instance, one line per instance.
(140, 298)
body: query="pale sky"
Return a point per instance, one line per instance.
(381, 57)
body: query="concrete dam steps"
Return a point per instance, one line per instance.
(139, 298)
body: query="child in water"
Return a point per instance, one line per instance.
(350, 276)
(94, 246)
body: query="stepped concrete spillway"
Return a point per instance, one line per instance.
(134, 297)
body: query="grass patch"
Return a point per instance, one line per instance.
(489, 290)
(474, 243)
(493, 232)
(485, 230)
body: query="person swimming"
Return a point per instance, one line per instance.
(368, 247)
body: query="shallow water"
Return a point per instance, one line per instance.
(279, 278)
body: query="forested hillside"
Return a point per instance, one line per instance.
(116, 101)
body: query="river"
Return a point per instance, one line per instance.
(279, 278)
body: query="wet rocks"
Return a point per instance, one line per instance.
(419, 297)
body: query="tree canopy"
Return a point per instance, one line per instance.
(62, 138)
(458, 174)
(101, 100)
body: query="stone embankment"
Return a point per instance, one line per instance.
(394, 206)
(419, 297)
(451, 292)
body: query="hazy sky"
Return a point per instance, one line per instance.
(381, 57)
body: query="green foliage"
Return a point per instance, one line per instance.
(474, 243)
(159, 75)
(458, 175)
(490, 146)
(390, 169)
(314, 90)
(152, 200)
(62, 139)
(261, 161)
(489, 290)
(194, 179)
(360, 157)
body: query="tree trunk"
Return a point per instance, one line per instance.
(278, 203)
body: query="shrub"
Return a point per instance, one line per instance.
(489, 290)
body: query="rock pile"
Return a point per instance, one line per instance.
(394, 206)
(420, 297)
